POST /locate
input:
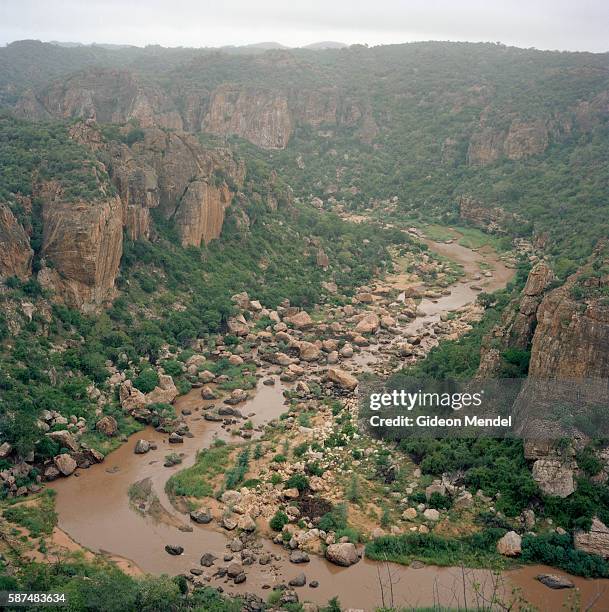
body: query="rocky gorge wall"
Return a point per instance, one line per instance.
(82, 241)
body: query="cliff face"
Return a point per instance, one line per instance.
(15, 252)
(488, 218)
(572, 335)
(81, 239)
(81, 247)
(107, 96)
(260, 116)
(521, 140)
(517, 323)
(569, 344)
(172, 171)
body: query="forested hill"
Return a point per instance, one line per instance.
(510, 130)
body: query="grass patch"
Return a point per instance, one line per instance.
(476, 550)
(195, 481)
(38, 518)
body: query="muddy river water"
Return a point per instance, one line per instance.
(94, 509)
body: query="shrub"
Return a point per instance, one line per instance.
(557, 550)
(297, 481)
(278, 521)
(147, 380)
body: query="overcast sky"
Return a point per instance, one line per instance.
(545, 24)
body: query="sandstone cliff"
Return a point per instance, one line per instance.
(260, 116)
(569, 367)
(489, 218)
(517, 323)
(107, 96)
(15, 252)
(81, 247)
(173, 171)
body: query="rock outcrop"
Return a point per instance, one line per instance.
(489, 218)
(522, 139)
(258, 115)
(15, 251)
(517, 323)
(81, 247)
(173, 171)
(105, 95)
(594, 541)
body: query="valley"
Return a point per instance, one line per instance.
(207, 257)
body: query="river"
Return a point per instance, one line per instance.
(94, 508)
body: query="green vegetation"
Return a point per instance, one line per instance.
(195, 480)
(278, 521)
(38, 516)
(476, 550)
(557, 550)
(236, 475)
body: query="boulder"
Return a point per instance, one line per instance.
(247, 523)
(207, 393)
(342, 379)
(309, 351)
(107, 425)
(5, 450)
(65, 464)
(298, 581)
(431, 514)
(409, 514)
(554, 477)
(554, 581)
(64, 438)
(299, 556)
(300, 320)
(174, 549)
(208, 559)
(368, 325)
(231, 497)
(141, 447)
(202, 517)
(344, 554)
(234, 570)
(164, 393)
(510, 545)
(595, 541)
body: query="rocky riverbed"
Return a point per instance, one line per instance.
(305, 364)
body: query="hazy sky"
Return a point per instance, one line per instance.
(545, 24)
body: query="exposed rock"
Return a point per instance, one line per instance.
(299, 556)
(554, 477)
(431, 514)
(554, 581)
(141, 447)
(208, 559)
(107, 425)
(174, 549)
(510, 545)
(342, 379)
(298, 581)
(368, 324)
(309, 351)
(164, 393)
(83, 242)
(202, 517)
(258, 115)
(300, 320)
(65, 464)
(234, 570)
(15, 251)
(595, 541)
(64, 438)
(344, 554)
(105, 95)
